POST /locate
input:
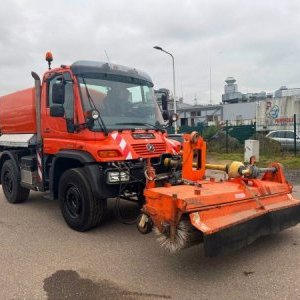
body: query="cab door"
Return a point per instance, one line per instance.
(58, 121)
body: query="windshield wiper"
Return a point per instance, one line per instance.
(140, 124)
(94, 106)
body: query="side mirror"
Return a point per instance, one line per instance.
(164, 102)
(57, 110)
(166, 115)
(58, 93)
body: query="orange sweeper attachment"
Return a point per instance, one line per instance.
(224, 215)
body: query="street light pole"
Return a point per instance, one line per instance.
(210, 98)
(174, 87)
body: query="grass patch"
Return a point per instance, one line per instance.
(287, 160)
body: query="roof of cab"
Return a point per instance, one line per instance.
(85, 66)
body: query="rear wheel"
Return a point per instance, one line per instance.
(11, 183)
(79, 208)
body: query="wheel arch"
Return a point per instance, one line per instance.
(64, 160)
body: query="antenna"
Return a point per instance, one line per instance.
(106, 56)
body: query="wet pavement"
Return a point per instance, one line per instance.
(41, 258)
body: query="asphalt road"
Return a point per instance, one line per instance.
(41, 258)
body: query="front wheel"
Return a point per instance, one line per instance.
(79, 208)
(11, 183)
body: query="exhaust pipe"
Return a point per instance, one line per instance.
(37, 84)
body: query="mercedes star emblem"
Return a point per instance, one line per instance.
(150, 147)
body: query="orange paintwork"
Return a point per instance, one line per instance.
(17, 115)
(56, 137)
(193, 152)
(219, 204)
(17, 112)
(213, 206)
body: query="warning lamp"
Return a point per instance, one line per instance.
(108, 153)
(49, 59)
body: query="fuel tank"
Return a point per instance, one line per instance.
(17, 112)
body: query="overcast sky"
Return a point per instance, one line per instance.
(257, 42)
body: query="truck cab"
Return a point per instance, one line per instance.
(122, 99)
(93, 128)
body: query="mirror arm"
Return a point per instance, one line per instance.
(89, 122)
(81, 126)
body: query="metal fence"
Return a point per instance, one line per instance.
(240, 132)
(283, 129)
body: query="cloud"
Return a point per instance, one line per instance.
(257, 42)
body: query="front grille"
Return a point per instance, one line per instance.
(141, 149)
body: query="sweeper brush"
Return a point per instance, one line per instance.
(185, 236)
(224, 215)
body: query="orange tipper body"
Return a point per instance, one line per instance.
(17, 112)
(229, 214)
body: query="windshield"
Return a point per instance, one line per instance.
(123, 102)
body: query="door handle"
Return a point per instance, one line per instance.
(47, 130)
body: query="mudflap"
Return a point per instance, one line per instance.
(243, 234)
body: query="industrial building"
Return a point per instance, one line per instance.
(285, 92)
(235, 113)
(237, 108)
(195, 114)
(232, 95)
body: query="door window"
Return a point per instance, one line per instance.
(289, 135)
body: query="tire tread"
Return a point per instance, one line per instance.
(21, 194)
(97, 207)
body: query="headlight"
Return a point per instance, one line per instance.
(116, 177)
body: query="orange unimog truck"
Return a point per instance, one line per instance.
(84, 134)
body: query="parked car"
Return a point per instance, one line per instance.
(285, 138)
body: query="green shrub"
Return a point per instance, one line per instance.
(218, 143)
(209, 132)
(267, 146)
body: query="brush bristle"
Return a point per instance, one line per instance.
(181, 241)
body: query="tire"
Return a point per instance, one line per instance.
(145, 226)
(79, 208)
(11, 183)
